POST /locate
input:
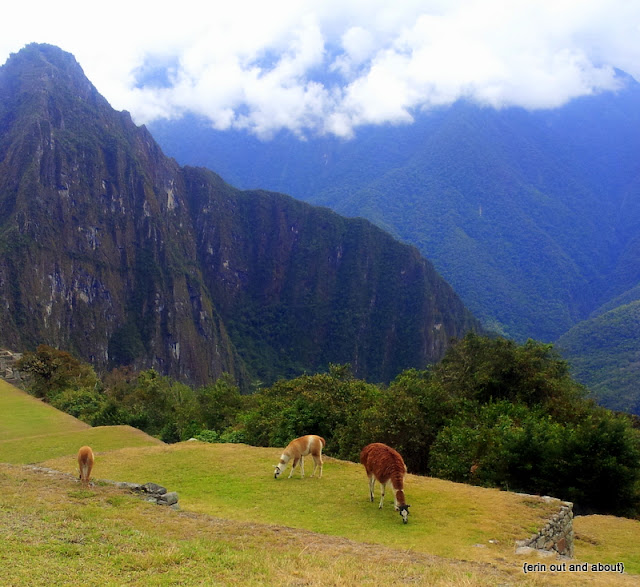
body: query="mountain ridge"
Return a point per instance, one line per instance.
(114, 251)
(532, 216)
(478, 191)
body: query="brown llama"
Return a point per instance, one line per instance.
(85, 464)
(385, 465)
(299, 448)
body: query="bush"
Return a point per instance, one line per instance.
(594, 463)
(51, 371)
(213, 436)
(81, 403)
(329, 404)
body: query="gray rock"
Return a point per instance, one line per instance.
(154, 488)
(170, 498)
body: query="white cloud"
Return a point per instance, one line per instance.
(329, 65)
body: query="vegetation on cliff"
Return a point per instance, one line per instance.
(532, 216)
(492, 413)
(111, 250)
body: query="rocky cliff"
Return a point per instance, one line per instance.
(111, 250)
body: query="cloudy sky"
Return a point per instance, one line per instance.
(329, 66)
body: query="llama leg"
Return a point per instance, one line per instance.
(301, 467)
(293, 467)
(317, 462)
(384, 485)
(315, 465)
(372, 481)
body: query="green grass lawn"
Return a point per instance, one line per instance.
(22, 416)
(54, 532)
(36, 449)
(32, 431)
(244, 527)
(447, 519)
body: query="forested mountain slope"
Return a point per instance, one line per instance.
(115, 252)
(531, 216)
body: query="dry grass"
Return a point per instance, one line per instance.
(451, 521)
(239, 526)
(609, 540)
(56, 533)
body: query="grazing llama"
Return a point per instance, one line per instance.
(297, 450)
(85, 464)
(385, 465)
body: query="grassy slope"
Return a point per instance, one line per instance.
(23, 415)
(32, 431)
(447, 519)
(235, 482)
(52, 520)
(52, 531)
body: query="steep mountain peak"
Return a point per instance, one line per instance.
(110, 250)
(41, 69)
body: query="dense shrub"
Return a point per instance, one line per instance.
(50, 371)
(492, 413)
(81, 403)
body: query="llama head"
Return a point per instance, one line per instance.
(281, 466)
(404, 512)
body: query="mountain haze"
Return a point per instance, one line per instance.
(114, 251)
(532, 216)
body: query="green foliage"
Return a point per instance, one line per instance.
(330, 405)
(492, 413)
(603, 353)
(483, 369)
(522, 423)
(81, 403)
(166, 408)
(228, 436)
(219, 403)
(593, 463)
(603, 454)
(52, 371)
(125, 345)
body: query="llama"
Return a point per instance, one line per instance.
(299, 448)
(385, 465)
(85, 464)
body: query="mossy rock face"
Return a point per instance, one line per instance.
(112, 251)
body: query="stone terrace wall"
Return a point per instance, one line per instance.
(556, 536)
(7, 362)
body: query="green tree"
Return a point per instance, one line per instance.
(220, 403)
(487, 369)
(51, 371)
(84, 404)
(327, 404)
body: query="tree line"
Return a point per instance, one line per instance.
(493, 413)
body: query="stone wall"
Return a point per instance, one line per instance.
(7, 362)
(556, 536)
(151, 492)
